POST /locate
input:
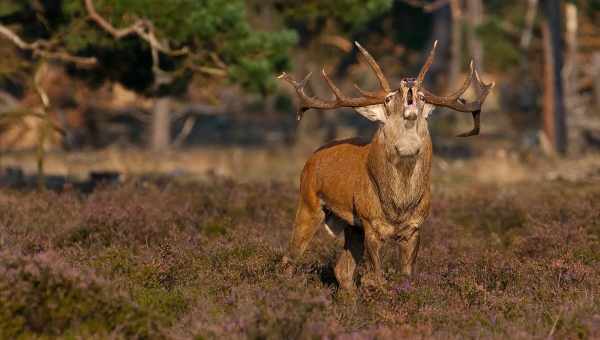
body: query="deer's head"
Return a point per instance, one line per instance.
(403, 120)
(401, 112)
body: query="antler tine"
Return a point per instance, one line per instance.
(369, 98)
(385, 85)
(306, 102)
(454, 96)
(366, 93)
(484, 90)
(339, 96)
(455, 102)
(294, 82)
(427, 64)
(341, 100)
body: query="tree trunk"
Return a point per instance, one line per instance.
(442, 26)
(456, 60)
(457, 41)
(596, 77)
(160, 137)
(570, 71)
(475, 9)
(573, 101)
(554, 125)
(527, 34)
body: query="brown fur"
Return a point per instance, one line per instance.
(380, 189)
(377, 196)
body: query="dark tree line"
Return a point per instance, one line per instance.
(159, 51)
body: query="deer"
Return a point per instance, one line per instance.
(376, 190)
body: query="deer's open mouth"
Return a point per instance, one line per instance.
(410, 105)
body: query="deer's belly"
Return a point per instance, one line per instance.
(333, 224)
(340, 212)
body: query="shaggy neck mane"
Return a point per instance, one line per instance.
(400, 186)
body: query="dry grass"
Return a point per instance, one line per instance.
(490, 163)
(154, 259)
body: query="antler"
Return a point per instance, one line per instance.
(341, 100)
(427, 64)
(454, 101)
(385, 86)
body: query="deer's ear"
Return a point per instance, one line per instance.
(427, 108)
(374, 113)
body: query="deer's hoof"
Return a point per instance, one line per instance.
(287, 267)
(372, 280)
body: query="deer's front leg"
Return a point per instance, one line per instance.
(373, 244)
(350, 257)
(409, 247)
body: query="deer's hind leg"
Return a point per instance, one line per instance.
(350, 257)
(309, 217)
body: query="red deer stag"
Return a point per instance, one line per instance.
(380, 189)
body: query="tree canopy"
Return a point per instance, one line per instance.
(217, 34)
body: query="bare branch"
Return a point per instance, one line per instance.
(39, 89)
(44, 49)
(108, 27)
(142, 28)
(215, 58)
(529, 21)
(188, 125)
(145, 30)
(213, 71)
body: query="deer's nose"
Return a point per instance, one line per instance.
(410, 115)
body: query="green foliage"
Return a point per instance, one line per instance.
(497, 41)
(8, 7)
(210, 28)
(350, 13)
(265, 55)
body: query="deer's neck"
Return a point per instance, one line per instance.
(400, 186)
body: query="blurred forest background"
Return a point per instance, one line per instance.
(127, 87)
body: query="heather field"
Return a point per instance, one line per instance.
(151, 151)
(163, 258)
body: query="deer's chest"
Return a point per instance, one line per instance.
(394, 222)
(400, 197)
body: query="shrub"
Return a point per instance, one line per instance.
(40, 295)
